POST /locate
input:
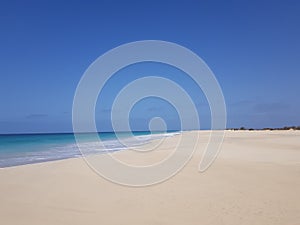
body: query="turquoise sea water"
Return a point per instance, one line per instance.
(19, 149)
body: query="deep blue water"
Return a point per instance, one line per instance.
(19, 149)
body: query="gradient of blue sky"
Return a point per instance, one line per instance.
(252, 47)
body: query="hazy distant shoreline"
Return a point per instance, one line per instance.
(267, 128)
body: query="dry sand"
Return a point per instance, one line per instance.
(255, 180)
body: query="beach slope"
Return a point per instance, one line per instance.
(254, 180)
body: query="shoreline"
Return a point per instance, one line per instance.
(282, 132)
(36, 148)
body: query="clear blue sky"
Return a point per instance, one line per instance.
(253, 48)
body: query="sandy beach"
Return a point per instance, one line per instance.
(254, 180)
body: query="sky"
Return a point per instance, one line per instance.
(252, 47)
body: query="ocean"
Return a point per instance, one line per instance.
(20, 149)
